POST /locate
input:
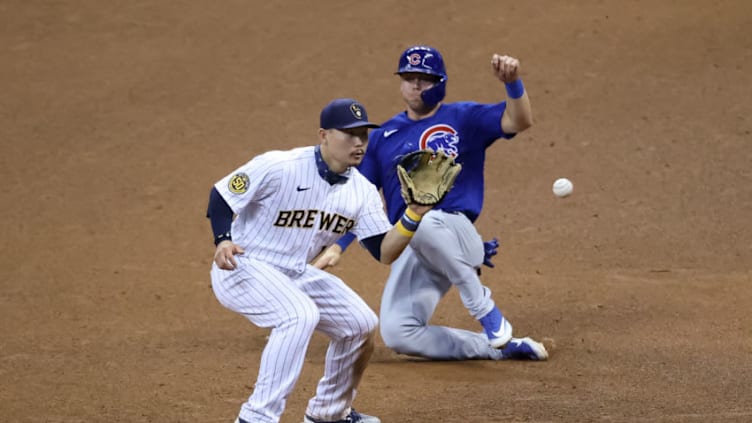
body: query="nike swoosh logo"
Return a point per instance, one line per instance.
(389, 132)
(500, 331)
(303, 189)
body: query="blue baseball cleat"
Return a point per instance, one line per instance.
(498, 329)
(524, 349)
(353, 417)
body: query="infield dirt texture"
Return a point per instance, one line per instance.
(117, 117)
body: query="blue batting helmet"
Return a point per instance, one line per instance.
(428, 60)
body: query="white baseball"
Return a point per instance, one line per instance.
(563, 187)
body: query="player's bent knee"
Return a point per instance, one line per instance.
(304, 320)
(367, 325)
(398, 337)
(358, 325)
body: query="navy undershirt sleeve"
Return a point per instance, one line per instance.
(373, 245)
(219, 213)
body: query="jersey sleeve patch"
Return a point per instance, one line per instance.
(238, 183)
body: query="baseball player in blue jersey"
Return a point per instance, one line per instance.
(446, 250)
(273, 216)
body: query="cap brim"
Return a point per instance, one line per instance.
(360, 124)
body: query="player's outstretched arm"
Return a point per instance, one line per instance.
(385, 247)
(401, 233)
(518, 115)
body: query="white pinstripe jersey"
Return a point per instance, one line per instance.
(287, 213)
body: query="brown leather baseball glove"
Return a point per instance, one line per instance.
(426, 176)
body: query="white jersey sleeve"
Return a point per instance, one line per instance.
(253, 181)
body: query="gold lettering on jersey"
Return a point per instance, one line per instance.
(283, 218)
(297, 216)
(238, 183)
(332, 222)
(342, 225)
(326, 221)
(310, 217)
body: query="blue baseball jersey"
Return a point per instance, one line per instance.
(463, 130)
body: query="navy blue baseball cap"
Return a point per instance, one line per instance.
(344, 113)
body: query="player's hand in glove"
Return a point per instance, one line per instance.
(490, 249)
(426, 176)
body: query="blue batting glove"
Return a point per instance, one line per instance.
(490, 249)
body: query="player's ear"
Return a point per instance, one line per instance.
(322, 135)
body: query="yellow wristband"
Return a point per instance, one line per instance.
(412, 215)
(403, 230)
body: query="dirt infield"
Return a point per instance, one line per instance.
(117, 117)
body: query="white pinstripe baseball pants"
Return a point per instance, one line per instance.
(294, 305)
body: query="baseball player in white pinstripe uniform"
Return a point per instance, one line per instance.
(271, 217)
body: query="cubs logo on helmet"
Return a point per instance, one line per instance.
(422, 59)
(440, 137)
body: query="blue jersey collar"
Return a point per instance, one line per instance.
(326, 173)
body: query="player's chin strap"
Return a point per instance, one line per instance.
(435, 94)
